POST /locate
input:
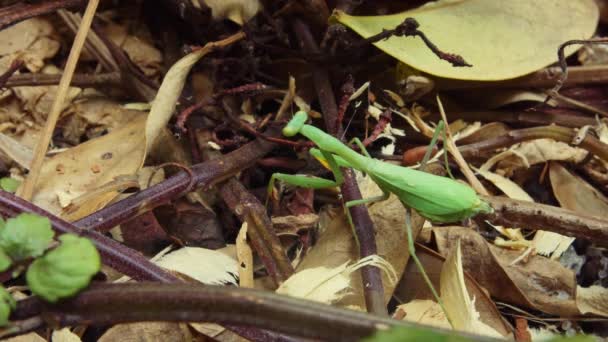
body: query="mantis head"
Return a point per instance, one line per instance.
(295, 124)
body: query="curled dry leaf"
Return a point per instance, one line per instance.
(540, 283)
(239, 11)
(413, 288)
(538, 151)
(529, 34)
(458, 305)
(575, 194)
(207, 266)
(244, 256)
(171, 88)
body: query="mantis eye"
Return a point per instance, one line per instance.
(295, 124)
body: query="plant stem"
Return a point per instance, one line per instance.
(514, 213)
(11, 15)
(113, 253)
(558, 133)
(206, 174)
(136, 302)
(259, 229)
(363, 225)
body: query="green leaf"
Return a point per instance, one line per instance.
(65, 270)
(24, 236)
(501, 39)
(7, 304)
(413, 334)
(9, 184)
(5, 261)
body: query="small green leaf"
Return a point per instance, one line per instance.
(9, 184)
(65, 270)
(24, 236)
(7, 303)
(5, 261)
(412, 334)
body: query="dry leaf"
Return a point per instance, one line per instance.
(64, 335)
(239, 11)
(38, 100)
(593, 300)
(575, 194)
(171, 88)
(139, 48)
(528, 30)
(424, 311)
(540, 283)
(204, 265)
(337, 246)
(412, 287)
(459, 307)
(32, 41)
(538, 151)
(72, 173)
(545, 243)
(510, 188)
(328, 285)
(147, 332)
(31, 337)
(244, 256)
(17, 152)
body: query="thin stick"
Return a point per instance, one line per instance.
(27, 190)
(462, 164)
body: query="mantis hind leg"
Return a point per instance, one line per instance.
(412, 251)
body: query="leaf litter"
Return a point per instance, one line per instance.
(222, 70)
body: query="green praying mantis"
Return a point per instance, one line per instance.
(438, 199)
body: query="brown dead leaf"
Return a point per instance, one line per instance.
(541, 283)
(103, 112)
(487, 131)
(412, 287)
(147, 332)
(32, 41)
(38, 100)
(31, 337)
(138, 47)
(64, 335)
(575, 194)
(539, 151)
(121, 152)
(424, 311)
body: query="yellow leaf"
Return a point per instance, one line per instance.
(501, 39)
